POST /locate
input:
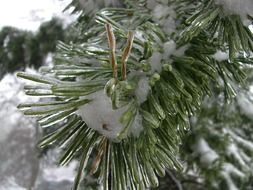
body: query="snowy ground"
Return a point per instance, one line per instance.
(20, 167)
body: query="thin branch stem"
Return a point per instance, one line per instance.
(101, 150)
(174, 179)
(112, 47)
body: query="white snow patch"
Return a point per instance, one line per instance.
(239, 7)
(165, 16)
(206, 153)
(155, 62)
(49, 60)
(221, 56)
(58, 174)
(142, 89)
(160, 11)
(169, 48)
(251, 28)
(99, 115)
(245, 104)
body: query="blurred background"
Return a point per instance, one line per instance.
(29, 31)
(219, 144)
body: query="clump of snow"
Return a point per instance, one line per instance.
(164, 15)
(169, 48)
(160, 11)
(99, 115)
(251, 28)
(206, 153)
(58, 174)
(142, 89)
(221, 56)
(246, 106)
(239, 7)
(155, 62)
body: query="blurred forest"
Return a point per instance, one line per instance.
(20, 49)
(22, 165)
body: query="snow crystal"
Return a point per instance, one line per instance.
(142, 90)
(239, 7)
(221, 56)
(207, 154)
(99, 115)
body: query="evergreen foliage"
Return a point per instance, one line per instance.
(21, 49)
(125, 92)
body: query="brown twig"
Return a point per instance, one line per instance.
(101, 150)
(112, 47)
